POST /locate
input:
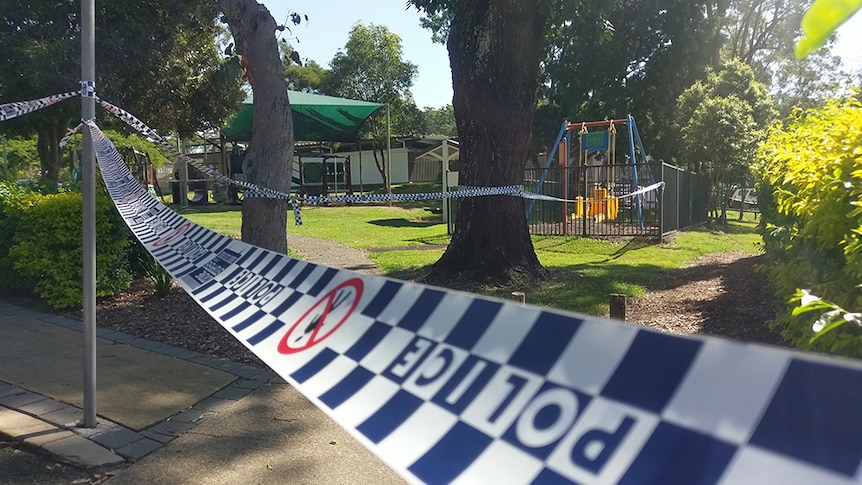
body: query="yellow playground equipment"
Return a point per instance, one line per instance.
(598, 182)
(602, 206)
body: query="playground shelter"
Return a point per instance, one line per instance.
(315, 118)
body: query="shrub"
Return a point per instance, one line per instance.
(13, 199)
(810, 196)
(47, 248)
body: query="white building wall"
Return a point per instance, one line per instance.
(369, 173)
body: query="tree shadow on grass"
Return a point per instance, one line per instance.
(401, 222)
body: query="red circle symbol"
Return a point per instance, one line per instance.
(173, 234)
(323, 318)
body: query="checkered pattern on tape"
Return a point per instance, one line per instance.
(683, 407)
(439, 384)
(153, 223)
(466, 192)
(18, 108)
(88, 89)
(69, 134)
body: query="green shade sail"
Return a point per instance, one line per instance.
(315, 118)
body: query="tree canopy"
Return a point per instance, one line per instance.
(371, 68)
(157, 59)
(439, 121)
(721, 121)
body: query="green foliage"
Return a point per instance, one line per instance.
(21, 158)
(810, 196)
(371, 68)
(306, 77)
(14, 198)
(157, 59)
(721, 122)
(159, 276)
(821, 20)
(608, 59)
(47, 248)
(439, 121)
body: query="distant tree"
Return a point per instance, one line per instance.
(306, 78)
(371, 68)
(302, 75)
(721, 123)
(439, 121)
(157, 59)
(494, 52)
(807, 83)
(762, 34)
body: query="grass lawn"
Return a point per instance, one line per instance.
(583, 272)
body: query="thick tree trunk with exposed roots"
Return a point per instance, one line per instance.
(494, 49)
(270, 154)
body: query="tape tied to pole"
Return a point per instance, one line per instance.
(88, 89)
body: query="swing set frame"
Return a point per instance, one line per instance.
(604, 204)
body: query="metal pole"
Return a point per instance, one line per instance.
(445, 173)
(388, 157)
(88, 179)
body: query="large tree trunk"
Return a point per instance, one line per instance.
(494, 49)
(50, 153)
(270, 154)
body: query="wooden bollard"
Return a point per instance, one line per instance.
(618, 306)
(519, 296)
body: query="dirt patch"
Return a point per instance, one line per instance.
(718, 294)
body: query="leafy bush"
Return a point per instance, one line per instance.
(810, 196)
(13, 199)
(47, 248)
(22, 159)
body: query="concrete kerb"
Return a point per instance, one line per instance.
(39, 422)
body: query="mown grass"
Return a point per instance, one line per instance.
(582, 272)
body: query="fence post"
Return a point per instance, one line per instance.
(519, 296)
(618, 306)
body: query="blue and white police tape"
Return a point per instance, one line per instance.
(515, 190)
(448, 387)
(18, 108)
(88, 89)
(644, 190)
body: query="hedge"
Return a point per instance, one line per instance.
(45, 253)
(810, 197)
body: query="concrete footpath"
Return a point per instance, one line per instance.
(166, 415)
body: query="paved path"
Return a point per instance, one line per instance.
(185, 417)
(330, 253)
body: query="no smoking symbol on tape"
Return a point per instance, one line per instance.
(323, 318)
